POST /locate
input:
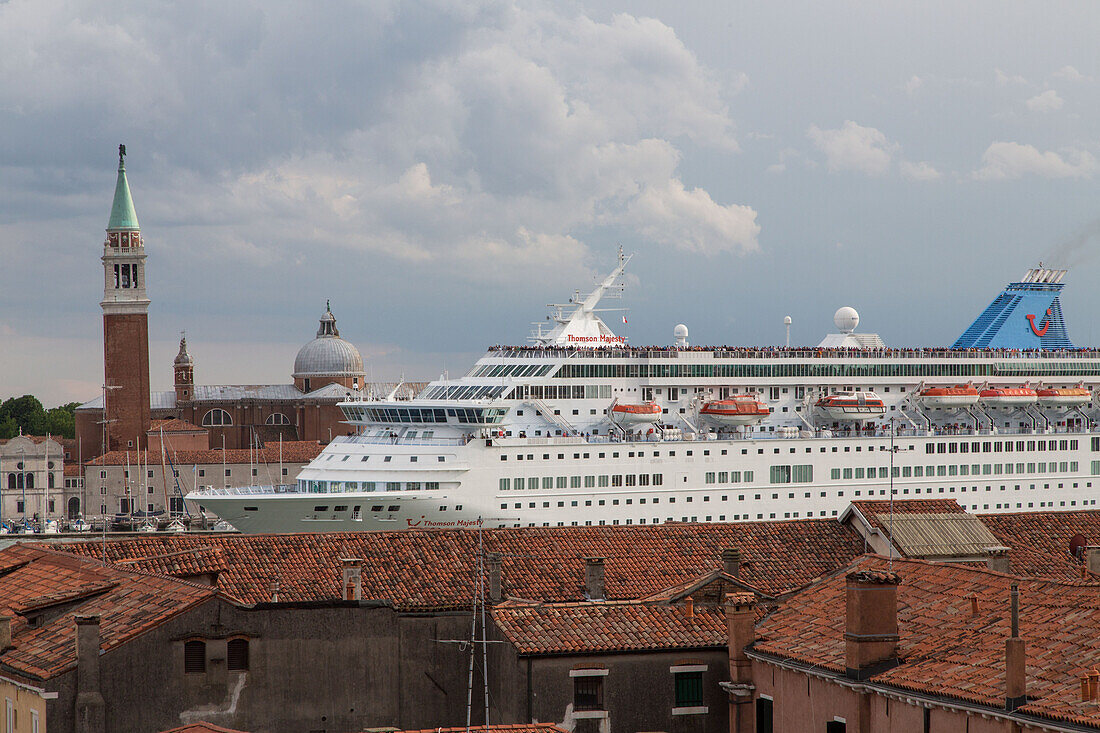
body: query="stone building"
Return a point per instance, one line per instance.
(32, 476)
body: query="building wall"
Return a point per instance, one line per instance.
(44, 461)
(28, 706)
(805, 702)
(126, 365)
(638, 691)
(334, 669)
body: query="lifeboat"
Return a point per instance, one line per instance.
(951, 398)
(852, 406)
(645, 413)
(737, 411)
(1008, 398)
(1068, 397)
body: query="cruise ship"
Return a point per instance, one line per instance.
(580, 428)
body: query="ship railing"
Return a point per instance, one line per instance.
(248, 490)
(723, 352)
(398, 440)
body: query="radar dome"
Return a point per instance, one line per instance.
(787, 320)
(846, 319)
(680, 332)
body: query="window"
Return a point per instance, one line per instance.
(588, 693)
(236, 655)
(194, 657)
(689, 689)
(277, 418)
(216, 417)
(763, 715)
(837, 726)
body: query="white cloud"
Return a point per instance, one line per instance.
(1048, 101)
(672, 215)
(854, 147)
(1004, 80)
(1070, 73)
(922, 171)
(1009, 160)
(914, 83)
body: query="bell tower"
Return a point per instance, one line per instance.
(183, 369)
(125, 324)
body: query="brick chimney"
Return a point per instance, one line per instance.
(1092, 559)
(741, 627)
(5, 632)
(352, 578)
(997, 560)
(89, 706)
(593, 578)
(731, 561)
(493, 561)
(871, 627)
(1015, 658)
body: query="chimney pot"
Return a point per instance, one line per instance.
(731, 561)
(997, 560)
(493, 562)
(689, 607)
(871, 625)
(594, 578)
(1086, 695)
(5, 632)
(973, 605)
(351, 577)
(1094, 685)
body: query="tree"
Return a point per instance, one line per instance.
(8, 428)
(61, 422)
(27, 412)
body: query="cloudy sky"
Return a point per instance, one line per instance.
(440, 171)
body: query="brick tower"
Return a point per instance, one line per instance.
(125, 324)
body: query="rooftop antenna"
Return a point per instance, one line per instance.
(787, 323)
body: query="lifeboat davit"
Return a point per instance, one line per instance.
(957, 397)
(1008, 398)
(852, 406)
(1068, 397)
(744, 410)
(645, 413)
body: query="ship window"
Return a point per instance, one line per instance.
(322, 508)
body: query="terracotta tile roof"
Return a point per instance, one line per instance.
(435, 569)
(568, 628)
(947, 652)
(129, 603)
(506, 728)
(874, 510)
(72, 470)
(175, 425)
(202, 727)
(1039, 541)
(293, 451)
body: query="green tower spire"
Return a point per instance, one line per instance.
(123, 215)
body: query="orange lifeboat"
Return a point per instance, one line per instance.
(957, 397)
(1066, 397)
(644, 413)
(852, 406)
(1008, 398)
(743, 410)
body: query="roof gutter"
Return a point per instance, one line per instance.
(909, 697)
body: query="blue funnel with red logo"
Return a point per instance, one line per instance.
(1026, 315)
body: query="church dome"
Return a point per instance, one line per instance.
(328, 356)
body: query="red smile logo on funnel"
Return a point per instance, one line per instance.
(1040, 332)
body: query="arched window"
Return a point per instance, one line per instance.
(49, 479)
(11, 481)
(277, 418)
(30, 480)
(194, 657)
(216, 417)
(236, 655)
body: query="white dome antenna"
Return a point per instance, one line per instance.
(787, 322)
(680, 333)
(846, 319)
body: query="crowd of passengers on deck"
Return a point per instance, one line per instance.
(815, 351)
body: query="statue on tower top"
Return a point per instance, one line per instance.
(121, 152)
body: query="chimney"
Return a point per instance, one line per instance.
(492, 563)
(593, 578)
(1015, 658)
(352, 578)
(1092, 559)
(89, 706)
(973, 605)
(997, 560)
(689, 607)
(1094, 684)
(275, 591)
(731, 561)
(871, 627)
(741, 628)
(5, 632)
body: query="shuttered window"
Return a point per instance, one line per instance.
(194, 657)
(236, 655)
